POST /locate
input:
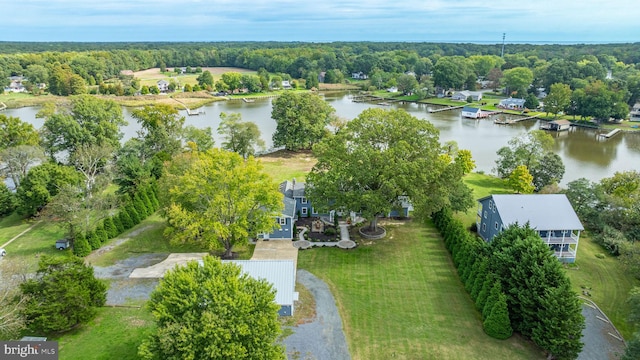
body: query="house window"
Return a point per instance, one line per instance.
(282, 221)
(496, 226)
(491, 204)
(304, 211)
(484, 227)
(314, 211)
(304, 200)
(485, 214)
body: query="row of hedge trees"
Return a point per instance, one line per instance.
(131, 213)
(517, 284)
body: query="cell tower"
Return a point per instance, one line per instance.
(503, 36)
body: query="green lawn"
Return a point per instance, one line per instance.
(115, 333)
(146, 238)
(608, 282)
(401, 298)
(482, 185)
(12, 225)
(40, 240)
(286, 165)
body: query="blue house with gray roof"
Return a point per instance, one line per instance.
(284, 223)
(295, 190)
(551, 215)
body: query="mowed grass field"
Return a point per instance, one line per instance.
(152, 76)
(115, 333)
(606, 280)
(401, 298)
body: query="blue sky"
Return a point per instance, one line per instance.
(553, 21)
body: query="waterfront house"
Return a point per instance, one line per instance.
(471, 112)
(359, 75)
(283, 229)
(464, 95)
(635, 112)
(163, 86)
(511, 104)
(551, 215)
(556, 125)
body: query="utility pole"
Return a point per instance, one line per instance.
(503, 36)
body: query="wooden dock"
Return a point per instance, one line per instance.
(610, 134)
(445, 109)
(248, 100)
(513, 121)
(189, 111)
(2, 106)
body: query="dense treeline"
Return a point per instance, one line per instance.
(517, 284)
(626, 52)
(574, 76)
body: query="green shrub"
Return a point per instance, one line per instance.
(147, 202)
(133, 214)
(7, 200)
(497, 324)
(142, 210)
(118, 224)
(125, 219)
(110, 228)
(93, 240)
(101, 234)
(330, 231)
(80, 246)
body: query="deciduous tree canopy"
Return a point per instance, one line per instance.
(218, 199)
(377, 158)
(213, 311)
(301, 120)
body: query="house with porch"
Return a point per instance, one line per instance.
(163, 86)
(551, 215)
(464, 95)
(512, 104)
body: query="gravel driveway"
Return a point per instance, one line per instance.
(122, 290)
(323, 338)
(598, 344)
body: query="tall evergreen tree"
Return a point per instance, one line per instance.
(497, 324)
(125, 219)
(81, 247)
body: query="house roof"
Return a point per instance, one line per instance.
(279, 273)
(470, 109)
(289, 207)
(292, 189)
(541, 211)
(561, 122)
(163, 82)
(512, 101)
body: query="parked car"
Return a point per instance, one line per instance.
(3, 252)
(63, 244)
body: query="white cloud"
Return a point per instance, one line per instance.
(362, 20)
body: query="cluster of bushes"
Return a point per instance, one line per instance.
(131, 213)
(517, 284)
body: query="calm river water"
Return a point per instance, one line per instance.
(582, 153)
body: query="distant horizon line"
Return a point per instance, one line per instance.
(479, 42)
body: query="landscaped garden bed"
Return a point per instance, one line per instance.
(327, 233)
